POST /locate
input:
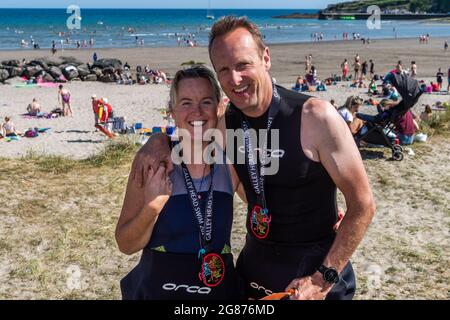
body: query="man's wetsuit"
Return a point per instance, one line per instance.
(301, 200)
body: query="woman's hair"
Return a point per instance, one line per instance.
(351, 101)
(60, 86)
(7, 119)
(428, 109)
(193, 73)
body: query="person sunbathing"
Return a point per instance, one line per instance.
(426, 114)
(8, 128)
(34, 108)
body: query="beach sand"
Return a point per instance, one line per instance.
(76, 137)
(53, 219)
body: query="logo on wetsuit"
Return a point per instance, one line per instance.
(260, 222)
(189, 289)
(213, 270)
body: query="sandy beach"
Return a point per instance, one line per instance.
(63, 215)
(75, 137)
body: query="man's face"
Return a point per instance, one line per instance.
(243, 71)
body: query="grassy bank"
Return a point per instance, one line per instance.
(58, 219)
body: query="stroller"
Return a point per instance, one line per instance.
(378, 128)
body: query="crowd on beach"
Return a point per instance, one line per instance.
(381, 93)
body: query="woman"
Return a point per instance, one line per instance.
(348, 112)
(8, 128)
(344, 67)
(64, 98)
(169, 217)
(426, 114)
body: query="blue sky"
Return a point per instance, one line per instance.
(175, 4)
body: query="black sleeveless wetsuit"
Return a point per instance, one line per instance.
(169, 265)
(301, 198)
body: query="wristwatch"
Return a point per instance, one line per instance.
(330, 275)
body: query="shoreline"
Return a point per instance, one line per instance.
(270, 44)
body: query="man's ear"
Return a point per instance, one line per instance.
(266, 59)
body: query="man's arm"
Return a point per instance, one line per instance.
(326, 138)
(155, 151)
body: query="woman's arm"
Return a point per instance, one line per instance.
(140, 211)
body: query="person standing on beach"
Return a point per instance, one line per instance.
(413, 71)
(357, 66)
(448, 81)
(307, 65)
(445, 46)
(95, 106)
(364, 70)
(64, 98)
(344, 67)
(440, 78)
(372, 69)
(292, 212)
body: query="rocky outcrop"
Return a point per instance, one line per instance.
(54, 69)
(105, 63)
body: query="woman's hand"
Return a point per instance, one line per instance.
(157, 189)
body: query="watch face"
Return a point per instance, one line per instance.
(331, 275)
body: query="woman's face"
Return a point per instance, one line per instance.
(196, 107)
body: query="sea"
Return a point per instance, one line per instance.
(126, 28)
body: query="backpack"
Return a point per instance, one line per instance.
(30, 133)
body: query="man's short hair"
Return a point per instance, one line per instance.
(230, 23)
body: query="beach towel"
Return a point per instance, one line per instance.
(25, 85)
(48, 85)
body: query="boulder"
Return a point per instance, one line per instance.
(90, 77)
(103, 63)
(71, 60)
(14, 80)
(52, 61)
(107, 78)
(13, 71)
(108, 70)
(97, 71)
(70, 73)
(55, 72)
(4, 75)
(11, 63)
(48, 77)
(83, 71)
(39, 62)
(32, 71)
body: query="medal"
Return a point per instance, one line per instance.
(259, 222)
(212, 270)
(259, 218)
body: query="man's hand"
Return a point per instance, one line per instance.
(309, 288)
(154, 153)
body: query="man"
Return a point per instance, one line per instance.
(95, 106)
(290, 242)
(448, 80)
